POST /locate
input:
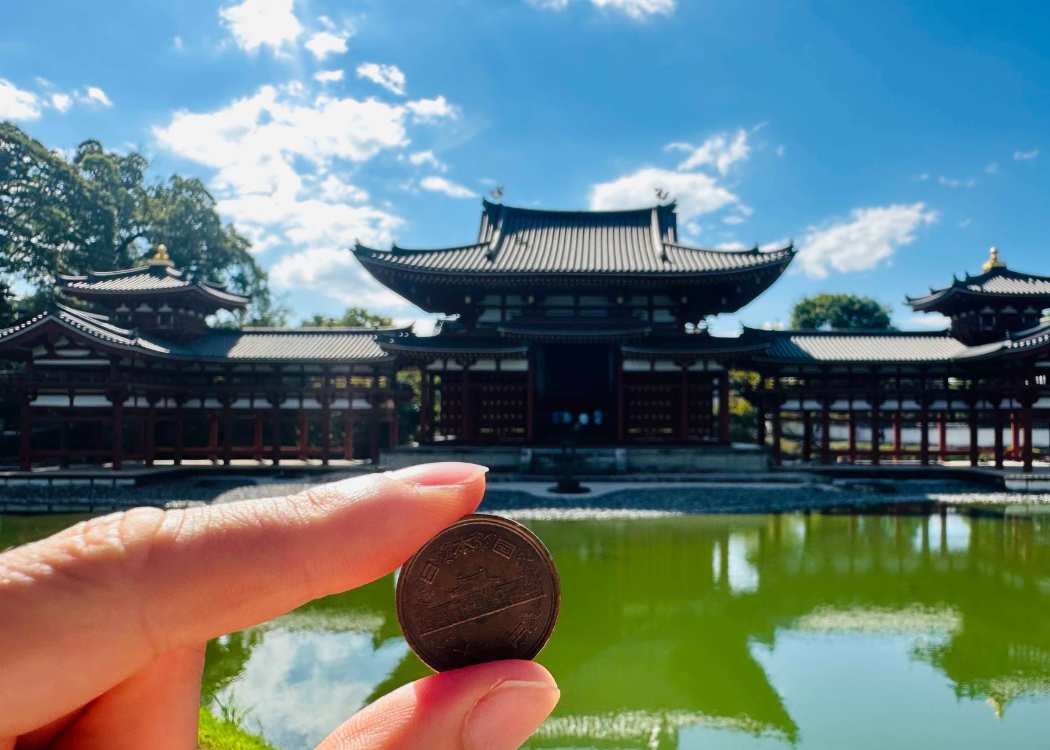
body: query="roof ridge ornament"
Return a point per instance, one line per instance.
(994, 261)
(160, 257)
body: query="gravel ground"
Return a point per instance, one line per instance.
(533, 499)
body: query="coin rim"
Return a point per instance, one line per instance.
(520, 529)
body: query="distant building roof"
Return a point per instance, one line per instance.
(513, 240)
(995, 281)
(857, 346)
(233, 345)
(153, 279)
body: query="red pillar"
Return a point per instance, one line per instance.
(998, 437)
(25, 436)
(942, 436)
(213, 436)
(778, 456)
(898, 448)
(465, 401)
(227, 430)
(275, 429)
(683, 404)
(304, 434)
(924, 437)
(1026, 452)
(974, 452)
(723, 407)
(825, 431)
(852, 435)
(326, 427)
(348, 433)
(151, 432)
(257, 438)
(876, 430)
(1015, 435)
(180, 430)
(807, 434)
(118, 430)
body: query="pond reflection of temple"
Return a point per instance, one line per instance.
(661, 618)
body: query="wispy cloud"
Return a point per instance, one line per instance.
(437, 184)
(1026, 155)
(992, 168)
(95, 95)
(427, 159)
(637, 10)
(389, 77)
(867, 238)
(720, 151)
(954, 183)
(328, 76)
(18, 104)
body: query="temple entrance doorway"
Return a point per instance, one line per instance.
(575, 395)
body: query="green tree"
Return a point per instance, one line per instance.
(353, 317)
(840, 312)
(98, 212)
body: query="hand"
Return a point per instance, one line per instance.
(103, 626)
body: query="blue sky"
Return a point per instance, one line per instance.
(894, 143)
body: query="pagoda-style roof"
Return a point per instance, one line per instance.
(149, 280)
(996, 281)
(284, 345)
(533, 248)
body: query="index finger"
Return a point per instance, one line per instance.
(86, 608)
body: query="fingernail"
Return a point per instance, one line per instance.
(506, 715)
(443, 474)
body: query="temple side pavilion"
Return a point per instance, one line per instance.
(145, 378)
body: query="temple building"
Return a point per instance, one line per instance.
(582, 323)
(143, 377)
(587, 327)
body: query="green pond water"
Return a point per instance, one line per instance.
(763, 631)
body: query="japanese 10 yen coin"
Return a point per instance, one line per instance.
(485, 588)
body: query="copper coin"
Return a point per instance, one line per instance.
(485, 588)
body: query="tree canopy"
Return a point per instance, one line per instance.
(840, 312)
(352, 318)
(96, 211)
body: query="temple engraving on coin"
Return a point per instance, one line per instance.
(485, 588)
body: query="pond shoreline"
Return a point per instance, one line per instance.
(606, 496)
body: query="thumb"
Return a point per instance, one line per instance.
(491, 706)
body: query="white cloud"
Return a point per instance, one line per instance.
(334, 272)
(16, 103)
(178, 44)
(951, 182)
(720, 151)
(389, 77)
(695, 193)
(929, 320)
(452, 189)
(95, 95)
(638, 9)
(428, 110)
(328, 76)
(335, 189)
(922, 177)
(324, 43)
(427, 158)
(1026, 155)
(549, 4)
(61, 102)
(869, 236)
(255, 23)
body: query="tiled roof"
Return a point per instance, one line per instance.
(240, 345)
(997, 282)
(147, 280)
(290, 344)
(834, 346)
(529, 241)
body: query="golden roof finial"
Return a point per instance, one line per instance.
(993, 261)
(160, 256)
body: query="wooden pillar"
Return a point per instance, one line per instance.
(807, 434)
(1026, 426)
(348, 435)
(25, 435)
(227, 430)
(876, 426)
(852, 426)
(898, 447)
(778, 456)
(723, 406)
(118, 429)
(825, 430)
(942, 436)
(151, 432)
(373, 432)
(213, 436)
(1015, 435)
(998, 418)
(326, 425)
(924, 434)
(972, 420)
(180, 429)
(257, 438)
(467, 426)
(760, 427)
(621, 401)
(63, 443)
(426, 406)
(275, 429)
(683, 403)
(303, 446)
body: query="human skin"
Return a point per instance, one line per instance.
(103, 625)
